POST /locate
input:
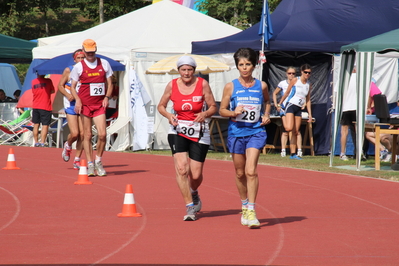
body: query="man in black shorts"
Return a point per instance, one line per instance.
(347, 121)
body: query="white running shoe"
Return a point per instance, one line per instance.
(100, 169)
(283, 154)
(66, 152)
(191, 214)
(387, 158)
(343, 157)
(299, 153)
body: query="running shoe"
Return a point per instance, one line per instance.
(38, 144)
(295, 157)
(191, 214)
(383, 154)
(197, 201)
(244, 216)
(299, 153)
(283, 154)
(252, 220)
(100, 169)
(343, 157)
(387, 158)
(66, 152)
(90, 169)
(76, 165)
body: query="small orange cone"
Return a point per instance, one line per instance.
(129, 206)
(83, 178)
(11, 164)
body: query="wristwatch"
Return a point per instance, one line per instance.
(108, 97)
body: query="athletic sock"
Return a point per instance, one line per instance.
(190, 204)
(77, 159)
(244, 203)
(251, 205)
(98, 159)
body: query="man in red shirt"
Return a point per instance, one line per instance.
(42, 88)
(94, 75)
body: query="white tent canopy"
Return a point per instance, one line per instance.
(364, 54)
(164, 27)
(139, 39)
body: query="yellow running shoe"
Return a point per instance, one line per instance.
(244, 216)
(252, 221)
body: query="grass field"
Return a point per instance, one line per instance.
(315, 163)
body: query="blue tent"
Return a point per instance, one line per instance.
(313, 26)
(57, 64)
(309, 31)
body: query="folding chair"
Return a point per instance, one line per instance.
(53, 129)
(13, 136)
(21, 120)
(112, 129)
(12, 131)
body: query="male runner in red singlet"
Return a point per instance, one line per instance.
(95, 90)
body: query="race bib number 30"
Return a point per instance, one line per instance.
(251, 113)
(97, 89)
(189, 128)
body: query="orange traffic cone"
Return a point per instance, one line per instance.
(11, 164)
(129, 206)
(83, 178)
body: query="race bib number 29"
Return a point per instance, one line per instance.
(97, 89)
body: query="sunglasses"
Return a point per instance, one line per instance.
(290, 73)
(307, 72)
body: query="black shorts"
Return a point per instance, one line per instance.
(40, 116)
(196, 151)
(348, 117)
(292, 108)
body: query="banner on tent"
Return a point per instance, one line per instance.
(187, 3)
(138, 99)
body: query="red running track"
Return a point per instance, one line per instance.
(307, 217)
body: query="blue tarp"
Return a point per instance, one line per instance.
(9, 80)
(313, 26)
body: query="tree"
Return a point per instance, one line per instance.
(112, 8)
(238, 13)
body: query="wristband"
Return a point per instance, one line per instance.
(108, 97)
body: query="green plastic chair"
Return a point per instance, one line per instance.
(20, 120)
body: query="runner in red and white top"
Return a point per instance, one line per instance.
(189, 133)
(94, 75)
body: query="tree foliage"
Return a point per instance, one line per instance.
(112, 8)
(32, 19)
(239, 13)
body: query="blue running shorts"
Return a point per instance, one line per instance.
(238, 145)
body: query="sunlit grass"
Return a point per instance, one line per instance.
(315, 163)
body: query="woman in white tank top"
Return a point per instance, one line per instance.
(298, 94)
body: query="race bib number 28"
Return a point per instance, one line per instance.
(251, 113)
(97, 89)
